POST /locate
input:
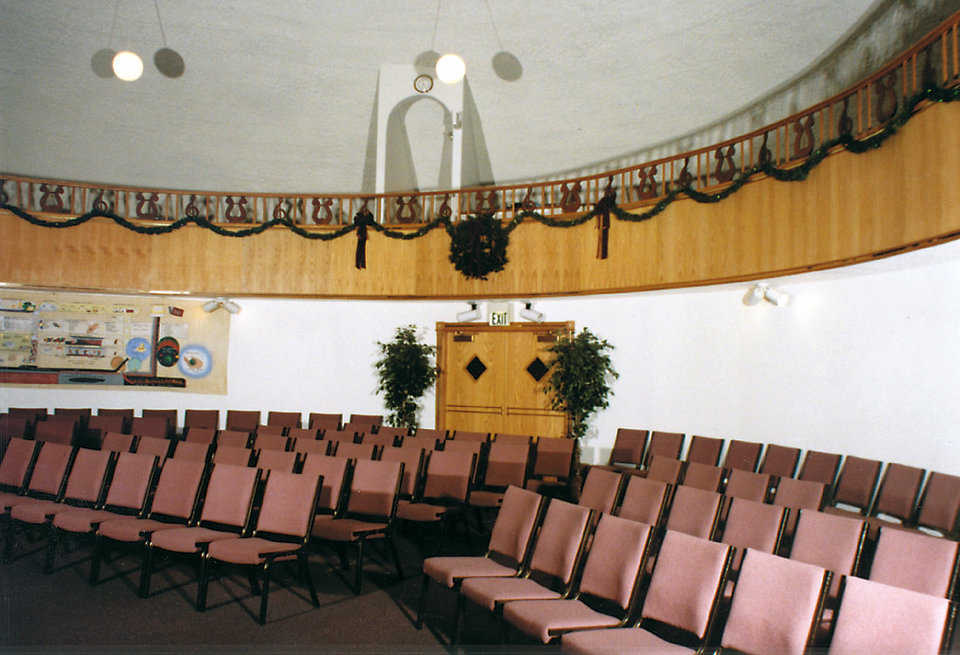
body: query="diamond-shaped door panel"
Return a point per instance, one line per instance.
(537, 369)
(476, 368)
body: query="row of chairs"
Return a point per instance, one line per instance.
(601, 583)
(850, 484)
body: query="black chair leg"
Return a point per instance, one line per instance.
(95, 560)
(202, 583)
(265, 594)
(146, 570)
(308, 579)
(458, 619)
(53, 541)
(254, 583)
(396, 555)
(423, 600)
(358, 572)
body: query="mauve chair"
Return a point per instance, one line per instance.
(684, 594)
(226, 514)
(469, 435)
(284, 419)
(394, 432)
(820, 467)
(855, 486)
(507, 464)
(133, 477)
(514, 438)
(359, 429)
(645, 500)
(382, 439)
(271, 442)
(446, 492)
(896, 496)
(557, 555)
(243, 420)
(270, 430)
(175, 502)
(202, 435)
(371, 507)
(311, 446)
(157, 446)
(47, 473)
(430, 433)
(754, 525)
(831, 542)
(776, 605)
(665, 469)
(915, 561)
(879, 618)
(628, 447)
(601, 489)
(344, 436)
(694, 511)
(780, 461)
(414, 466)
(607, 592)
(169, 414)
(336, 473)
(126, 413)
(15, 470)
(233, 438)
(703, 476)
(201, 418)
(117, 441)
(61, 432)
(281, 534)
(799, 494)
(747, 484)
(324, 421)
(98, 426)
(13, 427)
(235, 455)
(705, 450)
(939, 506)
(552, 462)
(151, 426)
(276, 460)
(306, 434)
(507, 552)
(743, 455)
(354, 450)
(367, 419)
(667, 444)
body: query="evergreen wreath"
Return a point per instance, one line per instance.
(478, 246)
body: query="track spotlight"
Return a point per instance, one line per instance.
(763, 291)
(468, 315)
(217, 303)
(530, 314)
(776, 296)
(754, 294)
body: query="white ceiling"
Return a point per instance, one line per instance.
(279, 96)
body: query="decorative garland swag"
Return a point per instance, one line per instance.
(478, 244)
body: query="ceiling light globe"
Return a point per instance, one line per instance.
(451, 69)
(127, 66)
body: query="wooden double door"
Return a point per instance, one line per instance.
(491, 379)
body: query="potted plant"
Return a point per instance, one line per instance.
(405, 371)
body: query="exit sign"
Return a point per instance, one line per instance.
(499, 314)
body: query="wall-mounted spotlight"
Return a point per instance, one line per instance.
(530, 314)
(217, 303)
(763, 291)
(468, 315)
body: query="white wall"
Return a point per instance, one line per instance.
(864, 360)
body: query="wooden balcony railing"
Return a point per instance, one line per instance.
(856, 113)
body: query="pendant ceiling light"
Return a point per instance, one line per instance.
(127, 66)
(450, 68)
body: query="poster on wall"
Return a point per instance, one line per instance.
(142, 342)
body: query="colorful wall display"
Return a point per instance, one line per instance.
(161, 342)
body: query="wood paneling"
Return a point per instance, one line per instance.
(851, 208)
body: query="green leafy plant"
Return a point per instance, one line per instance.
(580, 376)
(405, 371)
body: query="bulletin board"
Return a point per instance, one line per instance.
(87, 340)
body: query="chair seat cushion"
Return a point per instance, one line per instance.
(187, 540)
(346, 529)
(481, 498)
(423, 512)
(7, 500)
(247, 551)
(80, 519)
(447, 570)
(546, 618)
(619, 640)
(34, 511)
(487, 592)
(128, 529)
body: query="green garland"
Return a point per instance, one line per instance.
(478, 244)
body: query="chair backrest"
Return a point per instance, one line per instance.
(467, 435)
(898, 491)
(668, 444)
(157, 446)
(270, 442)
(355, 450)
(514, 438)
(126, 413)
(367, 419)
(270, 430)
(276, 460)
(829, 541)
(615, 561)
(233, 438)
(705, 450)
(311, 446)
(747, 484)
(664, 468)
(285, 419)
(178, 488)
(629, 446)
(879, 618)
(449, 475)
(201, 418)
(319, 421)
(939, 506)
(236, 455)
(107, 424)
(191, 450)
(644, 500)
(201, 435)
(61, 432)
(303, 433)
(601, 489)
(430, 433)
(133, 476)
(514, 528)
(374, 488)
(87, 481)
(805, 494)
(289, 505)
(750, 524)
(243, 420)
(916, 561)
(169, 414)
(347, 436)
(694, 511)
(743, 455)
(16, 463)
(413, 459)
(554, 457)
(391, 431)
(780, 460)
(687, 582)
(51, 468)
(820, 467)
(560, 543)
(507, 463)
(229, 497)
(15, 426)
(150, 426)
(82, 412)
(117, 441)
(776, 605)
(36, 413)
(380, 439)
(334, 471)
(703, 476)
(857, 482)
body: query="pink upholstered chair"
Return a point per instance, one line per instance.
(665, 469)
(601, 489)
(226, 514)
(468, 435)
(367, 419)
(243, 420)
(312, 446)
(284, 419)
(355, 450)
(514, 438)
(607, 591)
(776, 605)
(684, 594)
(414, 467)
(99, 426)
(430, 433)
(446, 492)
(304, 434)
(799, 494)
(117, 442)
(939, 506)
(628, 447)
(856, 485)
(235, 455)
(271, 430)
(169, 414)
(747, 484)
(703, 476)
(780, 461)
(189, 450)
(754, 525)
(201, 418)
(151, 426)
(552, 462)
(62, 432)
(233, 439)
(743, 455)
(200, 435)
(175, 502)
(645, 500)
(47, 471)
(878, 618)
(336, 473)
(897, 496)
(358, 429)
(667, 444)
(507, 552)
(395, 433)
(276, 460)
(382, 439)
(507, 464)
(820, 467)
(271, 442)
(320, 421)
(281, 534)
(695, 511)
(342, 436)
(156, 446)
(557, 556)
(15, 470)
(705, 450)
(915, 561)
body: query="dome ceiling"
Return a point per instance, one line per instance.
(281, 96)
